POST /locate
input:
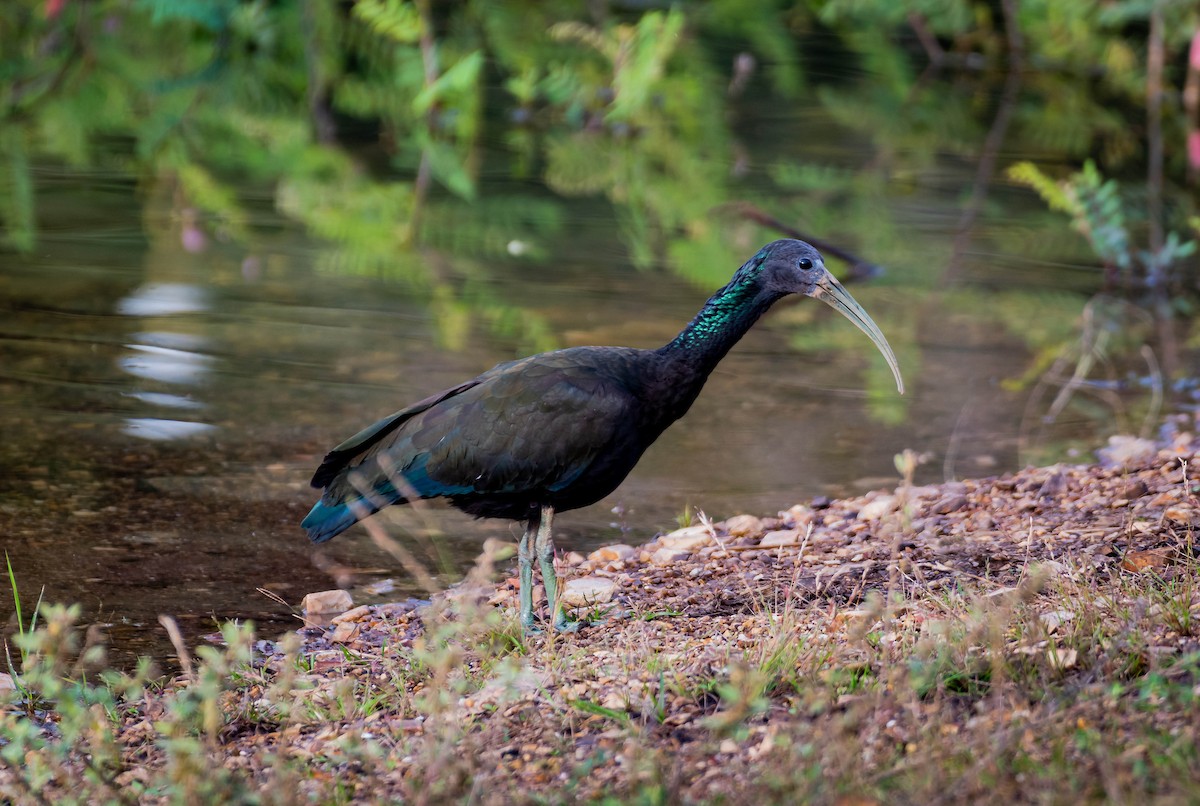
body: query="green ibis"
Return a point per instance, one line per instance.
(559, 430)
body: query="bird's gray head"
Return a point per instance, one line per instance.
(794, 267)
(790, 267)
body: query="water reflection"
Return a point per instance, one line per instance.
(166, 365)
(164, 299)
(157, 429)
(166, 357)
(166, 400)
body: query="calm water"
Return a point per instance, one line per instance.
(165, 396)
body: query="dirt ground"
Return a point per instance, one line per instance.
(1029, 637)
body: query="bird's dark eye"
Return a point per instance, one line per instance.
(805, 264)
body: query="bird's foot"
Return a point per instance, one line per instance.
(563, 624)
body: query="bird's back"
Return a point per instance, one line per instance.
(562, 428)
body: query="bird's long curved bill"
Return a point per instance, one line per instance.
(833, 294)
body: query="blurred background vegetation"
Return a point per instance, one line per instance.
(384, 127)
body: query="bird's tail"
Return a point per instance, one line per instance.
(326, 521)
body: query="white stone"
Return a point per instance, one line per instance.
(783, 537)
(668, 556)
(585, 591)
(874, 510)
(743, 525)
(688, 539)
(327, 602)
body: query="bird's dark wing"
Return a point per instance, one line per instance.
(529, 427)
(532, 425)
(346, 453)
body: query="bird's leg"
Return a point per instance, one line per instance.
(545, 552)
(525, 567)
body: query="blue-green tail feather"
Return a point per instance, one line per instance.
(330, 518)
(325, 521)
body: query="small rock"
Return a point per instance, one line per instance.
(1054, 566)
(614, 701)
(669, 556)
(782, 537)
(1054, 486)
(327, 602)
(1144, 560)
(743, 525)
(345, 632)
(585, 591)
(799, 516)
(1183, 514)
(464, 595)
(687, 539)
(608, 554)
(1132, 490)
(1055, 618)
(1123, 451)
(354, 614)
(574, 558)
(380, 588)
(1164, 498)
(952, 503)
(1062, 658)
(6, 682)
(874, 510)
(502, 596)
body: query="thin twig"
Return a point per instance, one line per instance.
(181, 650)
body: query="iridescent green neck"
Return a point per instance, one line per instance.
(723, 320)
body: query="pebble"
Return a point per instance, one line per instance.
(688, 539)
(744, 525)
(613, 553)
(783, 537)
(1144, 560)
(327, 602)
(874, 510)
(352, 615)
(668, 556)
(590, 590)
(1183, 514)
(345, 632)
(950, 504)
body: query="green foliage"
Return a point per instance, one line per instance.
(626, 105)
(1099, 214)
(946, 17)
(394, 19)
(212, 14)
(16, 193)
(38, 750)
(768, 31)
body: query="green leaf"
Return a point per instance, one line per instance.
(459, 79)
(394, 19)
(448, 168)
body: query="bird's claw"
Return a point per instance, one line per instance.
(562, 624)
